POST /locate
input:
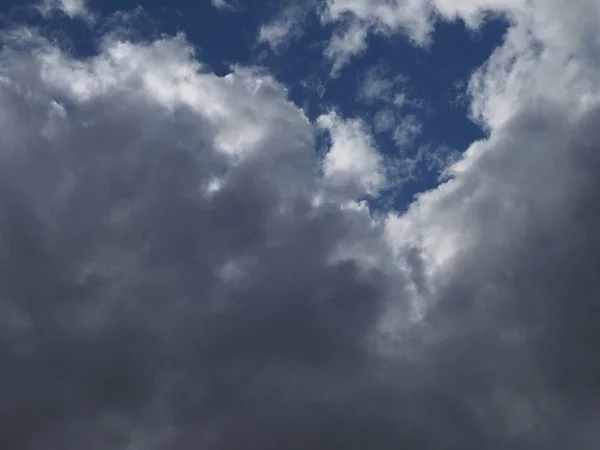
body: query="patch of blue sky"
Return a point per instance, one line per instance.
(426, 89)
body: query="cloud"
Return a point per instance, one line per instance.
(167, 278)
(507, 285)
(72, 8)
(232, 5)
(506, 252)
(286, 26)
(180, 269)
(354, 20)
(275, 34)
(377, 84)
(346, 43)
(352, 163)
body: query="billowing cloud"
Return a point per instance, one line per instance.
(506, 279)
(179, 269)
(168, 280)
(505, 249)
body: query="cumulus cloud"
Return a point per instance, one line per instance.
(179, 268)
(352, 164)
(506, 249)
(141, 238)
(507, 282)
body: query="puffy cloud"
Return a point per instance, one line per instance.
(177, 272)
(352, 164)
(506, 280)
(505, 250)
(167, 278)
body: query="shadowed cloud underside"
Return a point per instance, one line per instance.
(190, 260)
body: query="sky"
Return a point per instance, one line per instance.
(309, 224)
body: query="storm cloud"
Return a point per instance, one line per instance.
(178, 270)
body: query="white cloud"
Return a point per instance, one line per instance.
(531, 21)
(355, 19)
(286, 26)
(276, 33)
(533, 95)
(377, 84)
(384, 16)
(72, 8)
(380, 86)
(346, 43)
(226, 4)
(404, 128)
(164, 70)
(352, 163)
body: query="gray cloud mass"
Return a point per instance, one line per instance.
(168, 280)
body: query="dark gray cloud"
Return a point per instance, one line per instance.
(132, 302)
(515, 324)
(138, 309)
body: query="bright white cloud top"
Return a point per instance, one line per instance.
(182, 268)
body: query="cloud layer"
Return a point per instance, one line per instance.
(180, 269)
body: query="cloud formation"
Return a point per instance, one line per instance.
(286, 26)
(168, 281)
(74, 9)
(180, 269)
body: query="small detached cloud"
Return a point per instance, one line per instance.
(75, 9)
(232, 5)
(286, 26)
(346, 43)
(377, 84)
(395, 113)
(352, 163)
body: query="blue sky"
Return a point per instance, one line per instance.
(309, 224)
